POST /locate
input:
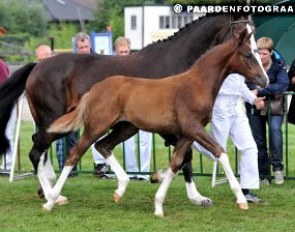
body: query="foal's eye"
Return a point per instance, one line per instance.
(248, 56)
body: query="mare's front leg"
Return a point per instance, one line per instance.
(192, 193)
(181, 148)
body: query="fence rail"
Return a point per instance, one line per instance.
(161, 155)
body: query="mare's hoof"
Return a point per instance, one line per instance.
(160, 215)
(206, 203)
(40, 192)
(243, 206)
(116, 197)
(203, 201)
(61, 200)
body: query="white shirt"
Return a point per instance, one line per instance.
(232, 96)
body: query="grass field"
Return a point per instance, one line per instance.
(91, 206)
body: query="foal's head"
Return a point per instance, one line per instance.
(245, 59)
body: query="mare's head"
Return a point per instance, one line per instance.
(246, 60)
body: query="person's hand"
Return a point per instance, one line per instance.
(259, 102)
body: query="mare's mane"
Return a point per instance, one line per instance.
(181, 30)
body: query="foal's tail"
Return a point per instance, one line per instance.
(10, 91)
(70, 121)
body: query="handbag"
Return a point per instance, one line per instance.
(274, 104)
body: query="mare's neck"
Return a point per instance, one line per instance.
(187, 45)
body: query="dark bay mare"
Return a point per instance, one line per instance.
(55, 86)
(180, 105)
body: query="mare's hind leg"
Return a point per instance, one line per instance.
(121, 132)
(43, 166)
(181, 147)
(192, 193)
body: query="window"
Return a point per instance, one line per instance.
(133, 22)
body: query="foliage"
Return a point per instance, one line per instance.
(19, 17)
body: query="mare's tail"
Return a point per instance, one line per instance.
(70, 121)
(10, 91)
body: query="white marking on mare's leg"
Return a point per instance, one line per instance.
(121, 175)
(194, 196)
(55, 192)
(61, 200)
(234, 184)
(42, 176)
(162, 191)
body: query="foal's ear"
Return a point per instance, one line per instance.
(243, 37)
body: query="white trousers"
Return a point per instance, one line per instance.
(145, 148)
(7, 160)
(145, 151)
(238, 128)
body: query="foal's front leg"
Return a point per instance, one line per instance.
(207, 142)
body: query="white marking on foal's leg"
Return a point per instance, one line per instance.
(55, 192)
(162, 191)
(121, 175)
(194, 196)
(61, 200)
(234, 184)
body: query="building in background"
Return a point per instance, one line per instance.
(144, 24)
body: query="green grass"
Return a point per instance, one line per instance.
(91, 206)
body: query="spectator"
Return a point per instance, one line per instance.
(278, 83)
(42, 52)
(291, 112)
(7, 158)
(122, 48)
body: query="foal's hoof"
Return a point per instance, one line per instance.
(154, 178)
(243, 206)
(157, 177)
(116, 197)
(61, 200)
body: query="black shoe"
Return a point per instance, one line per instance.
(100, 170)
(73, 174)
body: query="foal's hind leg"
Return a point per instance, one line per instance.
(73, 158)
(121, 132)
(43, 167)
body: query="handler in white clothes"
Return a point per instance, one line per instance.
(229, 119)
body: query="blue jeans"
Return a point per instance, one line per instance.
(258, 125)
(63, 145)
